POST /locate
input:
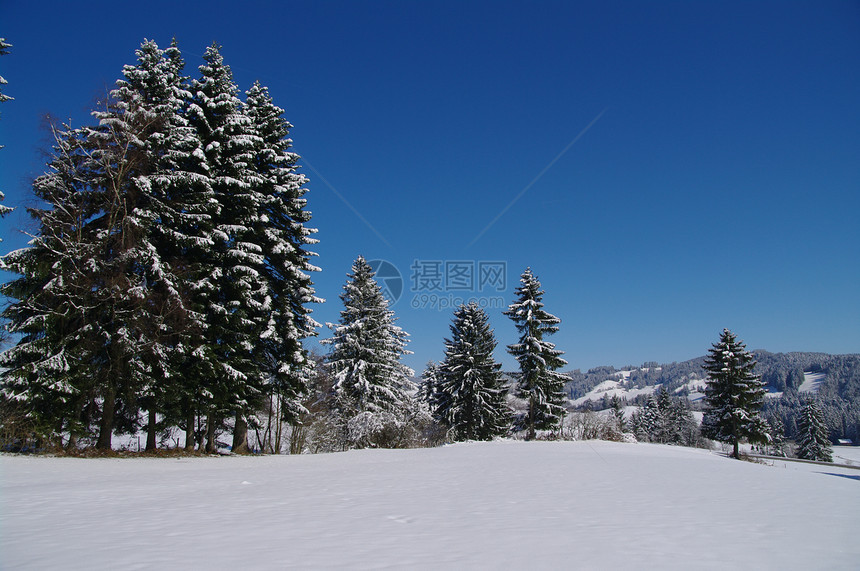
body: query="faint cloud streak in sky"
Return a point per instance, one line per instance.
(537, 178)
(345, 201)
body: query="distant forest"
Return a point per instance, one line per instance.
(838, 394)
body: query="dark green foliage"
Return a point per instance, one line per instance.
(812, 441)
(470, 394)
(369, 390)
(734, 395)
(665, 420)
(539, 383)
(169, 272)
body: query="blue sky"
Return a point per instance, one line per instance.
(717, 185)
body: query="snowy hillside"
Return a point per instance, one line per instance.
(501, 505)
(693, 388)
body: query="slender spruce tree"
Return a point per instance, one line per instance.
(367, 346)
(238, 300)
(281, 229)
(734, 395)
(812, 440)
(470, 394)
(540, 383)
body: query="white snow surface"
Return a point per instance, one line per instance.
(498, 505)
(811, 382)
(611, 388)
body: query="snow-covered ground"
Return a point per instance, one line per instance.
(811, 382)
(611, 388)
(501, 505)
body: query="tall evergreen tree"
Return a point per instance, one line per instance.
(49, 369)
(281, 231)
(106, 206)
(470, 393)
(237, 298)
(167, 205)
(366, 350)
(734, 395)
(171, 269)
(812, 440)
(540, 384)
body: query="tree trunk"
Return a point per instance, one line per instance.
(74, 434)
(240, 436)
(531, 433)
(106, 425)
(211, 447)
(189, 431)
(736, 453)
(151, 433)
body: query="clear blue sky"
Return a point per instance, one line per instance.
(718, 187)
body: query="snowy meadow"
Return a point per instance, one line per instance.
(503, 504)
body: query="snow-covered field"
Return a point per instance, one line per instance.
(500, 505)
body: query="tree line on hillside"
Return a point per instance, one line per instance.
(837, 395)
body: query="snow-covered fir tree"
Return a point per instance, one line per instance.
(470, 394)
(777, 435)
(169, 206)
(665, 419)
(4, 50)
(540, 383)
(812, 439)
(428, 392)
(618, 412)
(239, 300)
(734, 395)
(370, 382)
(284, 238)
(49, 370)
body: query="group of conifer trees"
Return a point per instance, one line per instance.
(170, 272)
(465, 394)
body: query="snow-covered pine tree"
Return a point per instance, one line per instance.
(646, 421)
(734, 395)
(540, 384)
(238, 298)
(428, 392)
(184, 236)
(46, 370)
(777, 435)
(4, 50)
(281, 231)
(369, 379)
(167, 206)
(470, 392)
(78, 296)
(618, 412)
(812, 440)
